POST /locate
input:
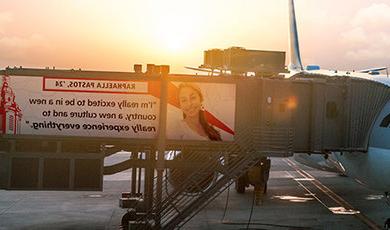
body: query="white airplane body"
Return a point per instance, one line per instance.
(371, 168)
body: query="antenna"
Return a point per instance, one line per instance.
(295, 56)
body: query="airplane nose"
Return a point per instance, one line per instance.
(380, 135)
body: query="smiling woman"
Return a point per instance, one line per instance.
(194, 123)
(201, 111)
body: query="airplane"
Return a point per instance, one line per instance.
(370, 168)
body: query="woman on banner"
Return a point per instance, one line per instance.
(194, 125)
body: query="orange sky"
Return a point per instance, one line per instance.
(114, 35)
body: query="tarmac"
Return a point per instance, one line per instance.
(298, 197)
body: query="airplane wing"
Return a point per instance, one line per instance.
(372, 70)
(200, 69)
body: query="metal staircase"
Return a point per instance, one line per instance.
(187, 191)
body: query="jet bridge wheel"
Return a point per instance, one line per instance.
(241, 184)
(129, 216)
(129, 221)
(257, 176)
(387, 224)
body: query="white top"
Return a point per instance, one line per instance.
(181, 131)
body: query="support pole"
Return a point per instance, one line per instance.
(133, 173)
(149, 175)
(161, 143)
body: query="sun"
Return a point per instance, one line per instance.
(175, 28)
(175, 41)
(174, 44)
(178, 36)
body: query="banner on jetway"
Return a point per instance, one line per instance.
(79, 107)
(201, 111)
(32, 105)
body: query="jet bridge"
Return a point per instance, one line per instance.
(62, 123)
(320, 113)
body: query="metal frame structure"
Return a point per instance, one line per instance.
(173, 179)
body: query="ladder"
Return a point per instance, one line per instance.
(186, 192)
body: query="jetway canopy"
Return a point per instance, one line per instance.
(272, 116)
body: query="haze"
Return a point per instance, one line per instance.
(114, 35)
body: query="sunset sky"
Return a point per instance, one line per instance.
(114, 35)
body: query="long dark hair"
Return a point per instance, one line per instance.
(211, 132)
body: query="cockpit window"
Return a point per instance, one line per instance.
(385, 122)
(381, 130)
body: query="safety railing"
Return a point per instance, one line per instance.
(187, 190)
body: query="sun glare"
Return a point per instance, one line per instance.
(175, 40)
(175, 26)
(174, 43)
